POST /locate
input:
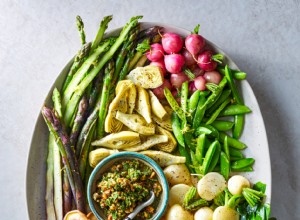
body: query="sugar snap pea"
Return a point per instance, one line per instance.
(192, 104)
(216, 94)
(237, 74)
(235, 153)
(207, 129)
(174, 105)
(215, 158)
(222, 125)
(232, 142)
(235, 109)
(226, 147)
(216, 113)
(245, 169)
(201, 107)
(184, 152)
(208, 156)
(224, 165)
(238, 126)
(195, 162)
(242, 163)
(224, 95)
(176, 127)
(200, 148)
(184, 96)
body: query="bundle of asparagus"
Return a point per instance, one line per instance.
(80, 108)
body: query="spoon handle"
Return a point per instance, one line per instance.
(127, 218)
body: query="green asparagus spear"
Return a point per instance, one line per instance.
(100, 33)
(79, 89)
(80, 27)
(82, 71)
(109, 72)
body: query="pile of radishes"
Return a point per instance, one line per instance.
(176, 55)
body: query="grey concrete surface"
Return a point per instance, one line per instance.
(37, 38)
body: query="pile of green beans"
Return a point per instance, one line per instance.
(203, 123)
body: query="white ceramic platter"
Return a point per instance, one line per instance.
(254, 136)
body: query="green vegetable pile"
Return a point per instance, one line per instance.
(199, 127)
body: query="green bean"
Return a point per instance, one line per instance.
(242, 163)
(232, 142)
(235, 153)
(224, 95)
(184, 152)
(184, 96)
(235, 109)
(177, 129)
(192, 104)
(215, 158)
(238, 126)
(225, 165)
(201, 107)
(226, 148)
(174, 105)
(222, 125)
(217, 112)
(208, 156)
(200, 148)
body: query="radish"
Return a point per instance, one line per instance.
(159, 91)
(206, 62)
(155, 53)
(200, 83)
(172, 43)
(189, 59)
(178, 78)
(212, 77)
(161, 64)
(192, 88)
(174, 62)
(194, 43)
(198, 72)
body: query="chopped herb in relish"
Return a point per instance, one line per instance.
(124, 186)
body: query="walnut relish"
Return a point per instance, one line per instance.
(124, 186)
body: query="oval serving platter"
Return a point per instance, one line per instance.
(254, 136)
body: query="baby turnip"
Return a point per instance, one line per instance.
(176, 212)
(237, 183)
(156, 52)
(200, 83)
(177, 79)
(160, 63)
(177, 173)
(212, 77)
(172, 43)
(204, 213)
(194, 43)
(159, 91)
(174, 62)
(206, 62)
(211, 185)
(225, 213)
(177, 193)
